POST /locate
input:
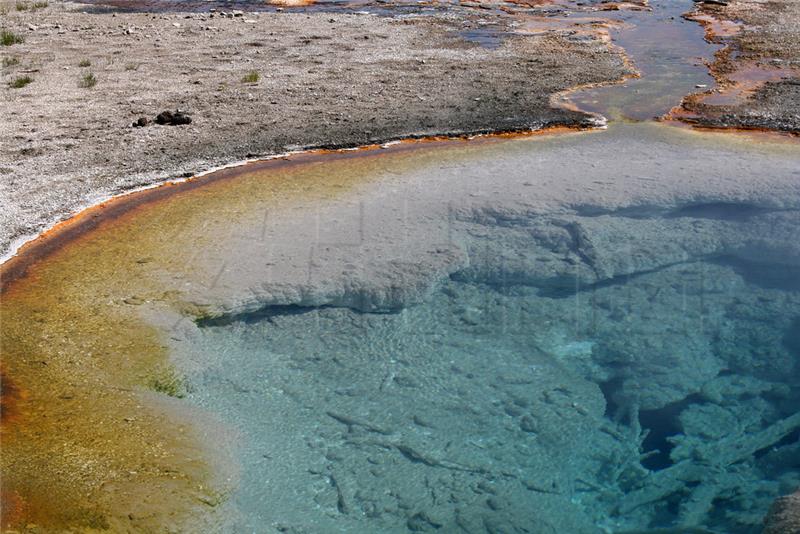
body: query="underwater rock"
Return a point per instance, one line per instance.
(422, 522)
(727, 389)
(658, 376)
(527, 424)
(532, 364)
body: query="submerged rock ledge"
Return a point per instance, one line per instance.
(389, 249)
(560, 255)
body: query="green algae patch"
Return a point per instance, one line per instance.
(168, 382)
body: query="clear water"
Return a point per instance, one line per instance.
(590, 370)
(666, 399)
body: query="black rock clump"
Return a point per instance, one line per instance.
(167, 118)
(170, 118)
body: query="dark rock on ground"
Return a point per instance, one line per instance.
(181, 118)
(165, 117)
(412, 77)
(173, 119)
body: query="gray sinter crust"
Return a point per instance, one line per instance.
(325, 80)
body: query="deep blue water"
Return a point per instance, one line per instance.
(536, 390)
(664, 399)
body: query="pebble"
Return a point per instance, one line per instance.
(527, 424)
(176, 118)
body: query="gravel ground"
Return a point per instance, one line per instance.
(325, 80)
(763, 57)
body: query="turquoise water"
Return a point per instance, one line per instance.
(509, 402)
(584, 334)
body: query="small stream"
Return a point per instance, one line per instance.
(670, 54)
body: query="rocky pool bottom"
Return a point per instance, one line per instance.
(665, 399)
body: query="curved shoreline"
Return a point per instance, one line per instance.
(355, 81)
(147, 365)
(559, 100)
(33, 248)
(75, 191)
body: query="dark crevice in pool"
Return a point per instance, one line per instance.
(790, 439)
(566, 287)
(633, 212)
(768, 274)
(721, 211)
(268, 313)
(660, 425)
(264, 314)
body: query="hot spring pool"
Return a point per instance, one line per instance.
(477, 344)
(498, 336)
(667, 397)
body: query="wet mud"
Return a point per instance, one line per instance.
(757, 71)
